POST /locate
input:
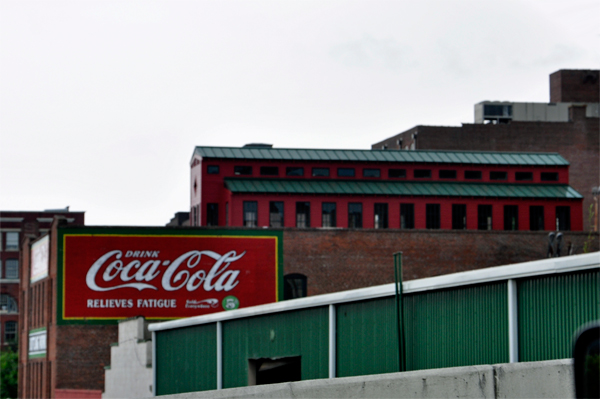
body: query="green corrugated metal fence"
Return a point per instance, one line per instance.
(300, 333)
(551, 308)
(186, 359)
(458, 326)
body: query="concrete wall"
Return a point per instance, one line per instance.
(549, 379)
(130, 372)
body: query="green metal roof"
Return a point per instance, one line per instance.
(370, 187)
(462, 157)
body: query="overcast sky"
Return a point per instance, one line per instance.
(102, 102)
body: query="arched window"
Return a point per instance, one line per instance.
(294, 286)
(8, 304)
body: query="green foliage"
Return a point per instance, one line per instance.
(9, 368)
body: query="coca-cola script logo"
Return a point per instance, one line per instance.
(110, 272)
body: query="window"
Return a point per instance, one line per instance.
(396, 173)
(269, 171)
(12, 241)
(473, 174)
(549, 176)
(12, 269)
(354, 215)
(381, 216)
(407, 216)
(500, 111)
(10, 331)
(484, 217)
(320, 172)
(447, 174)
(212, 214)
(536, 218)
(276, 214)
(371, 173)
(264, 371)
(432, 216)
(459, 216)
(422, 173)
(523, 176)
(8, 304)
(511, 217)
(328, 217)
(250, 214)
(563, 218)
(498, 175)
(294, 286)
(212, 169)
(242, 170)
(302, 214)
(294, 171)
(345, 172)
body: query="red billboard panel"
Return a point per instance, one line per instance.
(115, 276)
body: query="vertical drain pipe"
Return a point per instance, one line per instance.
(153, 363)
(399, 311)
(219, 355)
(332, 341)
(513, 322)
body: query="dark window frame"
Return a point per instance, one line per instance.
(511, 217)
(523, 176)
(422, 173)
(459, 216)
(473, 175)
(331, 211)
(485, 217)
(447, 174)
(212, 214)
(498, 175)
(372, 172)
(433, 216)
(303, 209)
(381, 215)
(242, 170)
(318, 172)
(346, 172)
(249, 208)
(274, 209)
(536, 218)
(294, 171)
(355, 214)
(213, 170)
(407, 216)
(269, 171)
(563, 218)
(395, 173)
(549, 176)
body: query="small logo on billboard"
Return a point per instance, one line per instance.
(230, 302)
(203, 304)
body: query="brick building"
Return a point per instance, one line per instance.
(261, 186)
(72, 362)
(13, 226)
(569, 125)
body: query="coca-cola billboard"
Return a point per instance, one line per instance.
(165, 276)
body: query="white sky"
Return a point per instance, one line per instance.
(102, 102)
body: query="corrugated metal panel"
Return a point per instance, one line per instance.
(418, 156)
(366, 187)
(367, 341)
(186, 359)
(456, 327)
(551, 309)
(298, 333)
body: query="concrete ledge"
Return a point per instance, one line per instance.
(550, 379)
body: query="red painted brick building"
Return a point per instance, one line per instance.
(14, 225)
(261, 186)
(568, 125)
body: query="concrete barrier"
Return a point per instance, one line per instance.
(549, 379)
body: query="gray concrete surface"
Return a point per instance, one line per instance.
(130, 373)
(550, 379)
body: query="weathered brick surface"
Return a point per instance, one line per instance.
(575, 85)
(337, 260)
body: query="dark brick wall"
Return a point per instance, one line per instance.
(81, 354)
(574, 85)
(337, 260)
(577, 141)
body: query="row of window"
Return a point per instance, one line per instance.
(407, 216)
(11, 269)
(12, 241)
(298, 171)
